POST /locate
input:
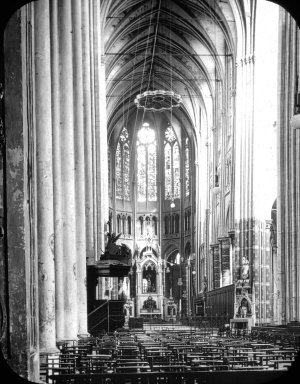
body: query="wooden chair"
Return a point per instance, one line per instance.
(213, 367)
(169, 368)
(279, 364)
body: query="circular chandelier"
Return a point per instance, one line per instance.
(158, 101)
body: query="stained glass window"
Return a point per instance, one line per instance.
(141, 173)
(187, 167)
(123, 166)
(119, 181)
(124, 135)
(176, 170)
(170, 135)
(146, 135)
(172, 165)
(126, 169)
(146, 164)
(168, 170)
(152, 172)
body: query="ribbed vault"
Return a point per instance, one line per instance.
(179, 45)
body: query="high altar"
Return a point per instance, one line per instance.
(149, 283)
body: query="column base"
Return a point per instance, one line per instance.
(49, 351)
(66, 342)
(83, 335)
(72, 341)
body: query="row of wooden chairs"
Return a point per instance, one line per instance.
(165, 351)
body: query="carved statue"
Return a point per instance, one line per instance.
(244, 309)
(245, 268)
(148, 242)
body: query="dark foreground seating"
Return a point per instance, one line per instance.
(212, 377)
(154, 357)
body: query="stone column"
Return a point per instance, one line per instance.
(159, 285)
(92, 149)
(87, 123)
(265, 171)
(288, 165)
(101, 165)
(243, 163)
(138, 288)
(297, 218)
(47, 337)
(57, 191)
(67, 171)
(79, 169)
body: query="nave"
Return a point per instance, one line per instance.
(149, 164)
(178, 354)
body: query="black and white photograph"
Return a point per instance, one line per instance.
(150, 191)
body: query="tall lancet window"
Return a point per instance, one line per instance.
(146, 164)
(187, 167)
(123, 166)
(172, 165)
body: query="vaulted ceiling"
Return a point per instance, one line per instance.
(166, 44)
(174, 45)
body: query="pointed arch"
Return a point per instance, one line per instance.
(129, 225)
(118, 223)
(124, 224)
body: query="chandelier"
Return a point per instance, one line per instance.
(158, 101)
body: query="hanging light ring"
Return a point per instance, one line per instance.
(158, 101)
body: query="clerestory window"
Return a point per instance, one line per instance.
(172, 165)
(146, 147)
(123, 166)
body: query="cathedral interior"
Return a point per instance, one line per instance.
(150, 160)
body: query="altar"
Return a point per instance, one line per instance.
(149, 299)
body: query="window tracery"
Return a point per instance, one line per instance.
(123, 166)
